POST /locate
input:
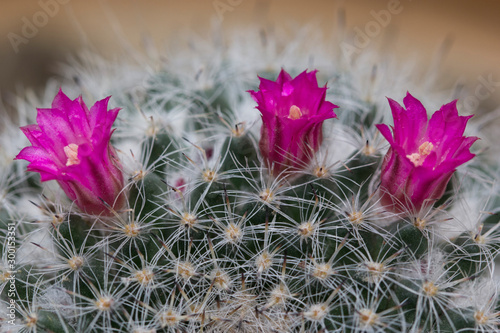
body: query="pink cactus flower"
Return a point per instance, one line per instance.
(293, 111)
(71, 144)
(423, 155)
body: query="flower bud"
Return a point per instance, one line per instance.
(71, 144)
(423, 155)
(293, 111)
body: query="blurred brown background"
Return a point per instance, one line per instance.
(420, 27)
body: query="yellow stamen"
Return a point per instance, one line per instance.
(425, 148)
(71, 152)
(295, 112)
(423, 151)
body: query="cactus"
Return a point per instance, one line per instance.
(215, 227)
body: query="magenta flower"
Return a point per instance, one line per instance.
(71, 144)
(293, 111)
(423, 154)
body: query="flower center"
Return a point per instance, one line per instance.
(71, 152)
(295, 112)
(423, 151)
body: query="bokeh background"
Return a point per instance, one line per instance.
(468, 30)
